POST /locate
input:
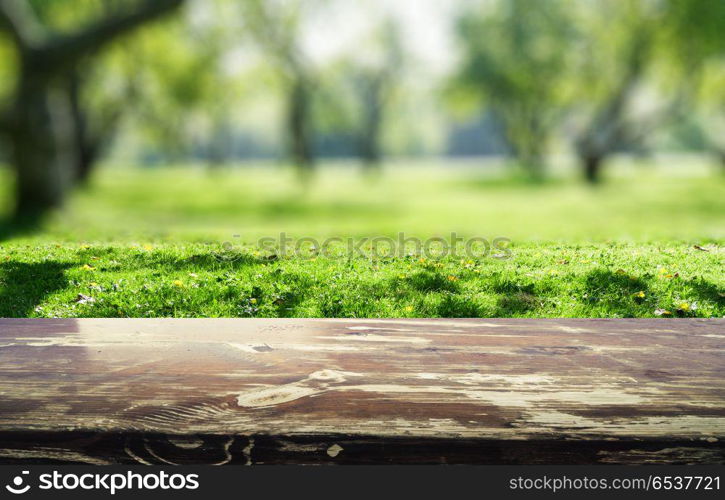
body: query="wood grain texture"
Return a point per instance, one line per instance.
(362, 391)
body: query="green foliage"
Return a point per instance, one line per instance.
(515, 59)
(610, 40)
(696, 42)
(181, 87)
(8, 70)
(697, 26)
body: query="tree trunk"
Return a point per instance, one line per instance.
(592, 165)
(299, 128)
(527, 140)
(218, 146)
(372, 119)
(530, 158)
(720, 152)
(370, 140)
(87, 146)
(42, 149)
(41, 127)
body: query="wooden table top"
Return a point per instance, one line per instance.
(362, 391)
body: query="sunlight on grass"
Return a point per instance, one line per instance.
(636, 204)
(190, 280)
(648, 243)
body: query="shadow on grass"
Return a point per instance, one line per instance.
(614, 291)
(159, 261)
(516, 298)
(426, 281)
(514, 181)
(455, 306)
(516, 304)
(706, 291)
(25, 286)
(301, 208)
(12, 228)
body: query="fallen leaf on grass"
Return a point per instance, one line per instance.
(664, 273)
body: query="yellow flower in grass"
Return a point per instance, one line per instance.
(452, 278)
(664, 273)
(87, 267)
(178, 283)
(409, 309)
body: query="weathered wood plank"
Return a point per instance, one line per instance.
(362, 391)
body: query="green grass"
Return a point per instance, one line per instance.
(197, 280)
(149, 244)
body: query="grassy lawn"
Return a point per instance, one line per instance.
(647, 243)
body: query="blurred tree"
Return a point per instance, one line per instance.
(94, 127)
(697, 47)
(361, 88)
(101, 89)
(515, 58)
(184, 94)
(619, 49)
(374, 82)
(39, 124)
(277, 26)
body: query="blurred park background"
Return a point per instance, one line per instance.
(137, 136)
